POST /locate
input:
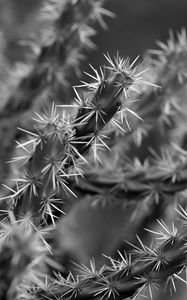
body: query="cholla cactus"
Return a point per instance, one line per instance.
(59, 49)
(63, 139)
(116, 155)
(22, 247)
(143, 271)
(57, 39)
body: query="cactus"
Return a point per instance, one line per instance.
(56, 48)
(88, 169)
(62, 139)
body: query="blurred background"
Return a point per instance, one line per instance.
(138, 24)
(136, 27)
